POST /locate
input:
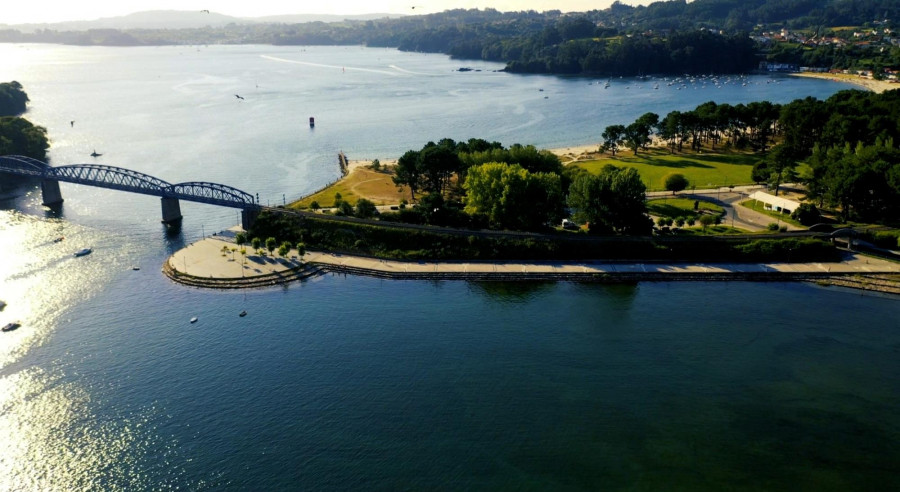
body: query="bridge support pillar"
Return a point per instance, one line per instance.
(171, 210)
(50, 192)
(248, 217)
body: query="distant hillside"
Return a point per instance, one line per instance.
(746, 14)
(671, 37)
(183, 19)
(304, 18)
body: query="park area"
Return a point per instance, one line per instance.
(362, 182)
(702, 170)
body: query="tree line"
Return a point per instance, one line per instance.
(740, 126)
(17, 135)
(479, 184)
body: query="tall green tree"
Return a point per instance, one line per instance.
(19, 137)
(613, 137)
(637, 134)
(513, 198)
(613, 201)
(12, 99)
(408, 172)
(437, 163)
(780, 164)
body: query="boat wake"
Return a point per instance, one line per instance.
(395, 67)
(322, 65)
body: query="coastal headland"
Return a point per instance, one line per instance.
(216, 262)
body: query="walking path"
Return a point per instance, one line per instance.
(205, 263)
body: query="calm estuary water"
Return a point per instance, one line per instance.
(354, 383)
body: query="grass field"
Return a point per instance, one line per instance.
(679, 207)
(361, 183)
(706, 170)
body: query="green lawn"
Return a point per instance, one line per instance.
(706, 170)
(679, 207)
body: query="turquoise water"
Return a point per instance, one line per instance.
(345, 382)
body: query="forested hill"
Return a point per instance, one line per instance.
(747, 14)
(673, 36)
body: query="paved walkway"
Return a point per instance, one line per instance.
(214, 258)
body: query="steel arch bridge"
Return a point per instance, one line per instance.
(122, 179)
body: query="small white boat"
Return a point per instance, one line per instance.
(11, 326)
(194, 319)
(83, 252)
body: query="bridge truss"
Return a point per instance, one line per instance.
(122, 179)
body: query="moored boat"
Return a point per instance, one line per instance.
(83, 252)
(11, 326)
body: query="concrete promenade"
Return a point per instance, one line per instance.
(213, 262)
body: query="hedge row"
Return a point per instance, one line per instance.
(372, 239)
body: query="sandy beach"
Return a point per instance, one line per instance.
(873, 85)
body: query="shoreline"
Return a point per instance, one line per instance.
(877, 86)
(206, 264)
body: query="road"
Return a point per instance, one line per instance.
(740, 217)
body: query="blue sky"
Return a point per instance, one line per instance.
(66, 10)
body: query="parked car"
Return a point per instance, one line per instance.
(569, 225)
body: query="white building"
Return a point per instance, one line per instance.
(775, 203)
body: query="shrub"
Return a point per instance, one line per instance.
(365, 208)
(675, 182)
(885, 239)
(706, 221)
(772, 226)
(314, 205)
(807, 214)
(271, 244)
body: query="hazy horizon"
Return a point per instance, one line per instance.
(52, 11)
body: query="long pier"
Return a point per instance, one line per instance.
(117, 178)
(344, 163)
